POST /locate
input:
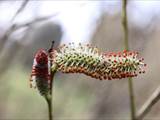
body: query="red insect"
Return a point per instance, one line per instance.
(40, 68)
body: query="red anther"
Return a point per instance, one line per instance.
(113, 77)
(114, 55)
(100, 78)
(124, 55)
(123, 75)
(145, 65)
(130, 53)
(119, 53)
(110, 55)
(124, 51)
(109, 78)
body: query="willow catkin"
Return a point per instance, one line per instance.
(89, 60)
(40, 76)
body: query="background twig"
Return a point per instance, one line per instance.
(126, 46)
(15, 27)
(153, 99)
(23, 5)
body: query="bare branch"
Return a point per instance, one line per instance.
(146, 108)
(24, 4)
(15, 27)
(37, 20)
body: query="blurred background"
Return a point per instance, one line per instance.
(26, 26)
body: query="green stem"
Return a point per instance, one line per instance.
(130, 82)
(49, 99)
(132, 100)
(49, 102)
(49, 96)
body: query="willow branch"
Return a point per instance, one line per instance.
(146, 108)
(126, 46)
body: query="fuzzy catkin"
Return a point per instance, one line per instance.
(89, 60)
(40, 76)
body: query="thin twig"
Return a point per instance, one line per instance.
(15, 27)
(36, 20)
(146, 108)
(23, 5)
(125, 24)
(130, 84)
